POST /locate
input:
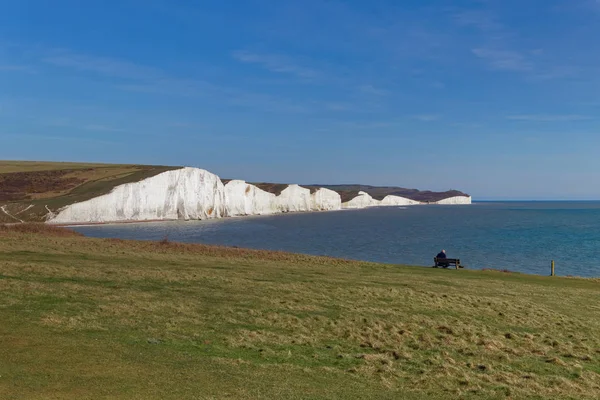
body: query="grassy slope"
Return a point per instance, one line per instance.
(55, 185)
(88, 318)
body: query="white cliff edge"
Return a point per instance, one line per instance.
(457, 200)
(363, 200)
(192, 194)
(187, 193)
(245, 199)
(325, 200)
(398, 201)
(294, 198)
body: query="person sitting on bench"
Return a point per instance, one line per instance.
(442, 254)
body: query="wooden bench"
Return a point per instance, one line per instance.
(446, 262)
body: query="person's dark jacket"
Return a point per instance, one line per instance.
(441, 255)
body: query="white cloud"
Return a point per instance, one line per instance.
(275, 63)
(504, 59)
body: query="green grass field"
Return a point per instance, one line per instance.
(86, 318)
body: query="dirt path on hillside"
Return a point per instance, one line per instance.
(10, 215)
(22, 211)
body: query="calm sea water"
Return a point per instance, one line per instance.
(519, 236)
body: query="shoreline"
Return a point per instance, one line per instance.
(195, 246)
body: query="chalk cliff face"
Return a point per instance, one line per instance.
(456, 200)
(363, 200)
(397, 201)
(293, 199)
(192, 193)
(245, 199)
(325, 200)
(187, 193)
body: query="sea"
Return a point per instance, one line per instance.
(514, 236)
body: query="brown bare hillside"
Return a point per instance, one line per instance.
(348, 192)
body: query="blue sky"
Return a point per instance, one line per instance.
(313, 91)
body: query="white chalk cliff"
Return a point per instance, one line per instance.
(398, 201)
(458, 200)
(187, 193)
(196, 194)
(363, 200)
(325, 200)
(245, 199)
(294, 199)
(192, 193)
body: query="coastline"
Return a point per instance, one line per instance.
(491, 236)
(283, 254)
(122, 222)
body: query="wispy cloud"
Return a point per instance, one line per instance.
(69, 123)
(17, 68)
(220, 94)
(427, 117)
(102, 128)
(185, 125)
(503, 51)
(332, 106)
(171, 86)
(556, 72)
(147, 79)
(370, 89)
(103, 66)
(548, 117)
(275, 63)
(370, 124)
(481, 19)
(504, 59)
(467, 125)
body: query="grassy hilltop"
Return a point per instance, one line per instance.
(92, 318)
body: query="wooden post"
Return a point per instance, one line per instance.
(457, 263)
(552, 268)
